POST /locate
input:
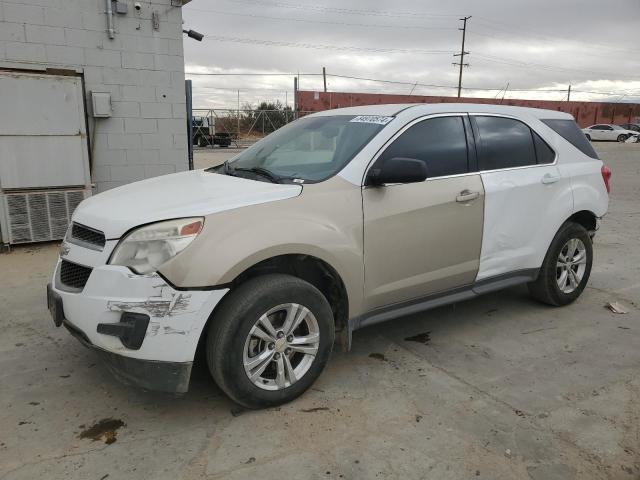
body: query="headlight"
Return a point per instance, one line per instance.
(145, 249)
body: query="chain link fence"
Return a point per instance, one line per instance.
(238, 128)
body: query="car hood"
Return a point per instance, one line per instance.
(185, 194)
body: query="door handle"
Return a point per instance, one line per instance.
(467, 196)
(549, 179)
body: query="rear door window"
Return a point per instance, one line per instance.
(439, 142)
(504, 143)
(568, 130)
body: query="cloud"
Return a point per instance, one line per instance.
(534, 46)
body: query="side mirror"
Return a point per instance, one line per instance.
(397, 170)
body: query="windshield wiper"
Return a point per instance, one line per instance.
(263, 172)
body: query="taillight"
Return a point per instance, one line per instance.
(606, 176)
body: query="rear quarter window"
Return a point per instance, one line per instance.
(568, 130)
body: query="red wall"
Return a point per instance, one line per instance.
(586, 113)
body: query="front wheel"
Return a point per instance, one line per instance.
(566, 268)
(622, 138)
(270, 340)
(588, 137)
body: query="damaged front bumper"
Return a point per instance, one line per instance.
(145, 330)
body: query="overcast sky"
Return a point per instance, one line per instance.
(594, 45)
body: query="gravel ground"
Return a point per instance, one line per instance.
(499, 387)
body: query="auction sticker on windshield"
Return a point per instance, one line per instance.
(380, 120)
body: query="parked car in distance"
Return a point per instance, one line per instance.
(631, 126)
(337, 221)
(607, 132)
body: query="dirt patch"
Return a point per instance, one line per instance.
(378, 356)
(104, 429)
(423, 338)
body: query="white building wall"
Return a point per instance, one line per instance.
(142, 69)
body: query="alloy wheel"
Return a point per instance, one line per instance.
(571, 265)
(281, 346)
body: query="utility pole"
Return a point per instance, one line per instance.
(295, 97)
(238, 119)
(569, 94)
(324, 77)
(462, 53)
(505, 92)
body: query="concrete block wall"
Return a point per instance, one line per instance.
(142, 68)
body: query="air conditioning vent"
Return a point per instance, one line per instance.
(39, 216)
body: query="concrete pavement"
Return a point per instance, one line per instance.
(499, 387)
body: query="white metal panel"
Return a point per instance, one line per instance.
(522, 215)
(41, 161)
(42, 131)
(39, 104)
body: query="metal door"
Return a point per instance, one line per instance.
(43, 140)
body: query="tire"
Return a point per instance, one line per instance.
(202, 142)
(231, 337)
(622, 138)
(588, 136)
(546, 288)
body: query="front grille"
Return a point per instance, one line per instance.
(74, 275)
(87, 235)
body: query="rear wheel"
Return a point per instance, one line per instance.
(566, 268)
(270, 340)
(622, 138)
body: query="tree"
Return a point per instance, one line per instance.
(267, 117)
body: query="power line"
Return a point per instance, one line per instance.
(493, 24)
(249, 74)
(345, 11)
(399, 82)
(528, 44)
(496, 33)
(519, 63)
(405, 83)
(278, 43)
(388, 81)
(489, 58)
(322, 22)
(489, 23)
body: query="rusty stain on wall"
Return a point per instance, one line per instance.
(585, 113)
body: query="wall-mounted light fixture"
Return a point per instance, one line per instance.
(193, 34)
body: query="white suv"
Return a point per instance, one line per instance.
(337, 221)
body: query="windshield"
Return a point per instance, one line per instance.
(311, 149)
